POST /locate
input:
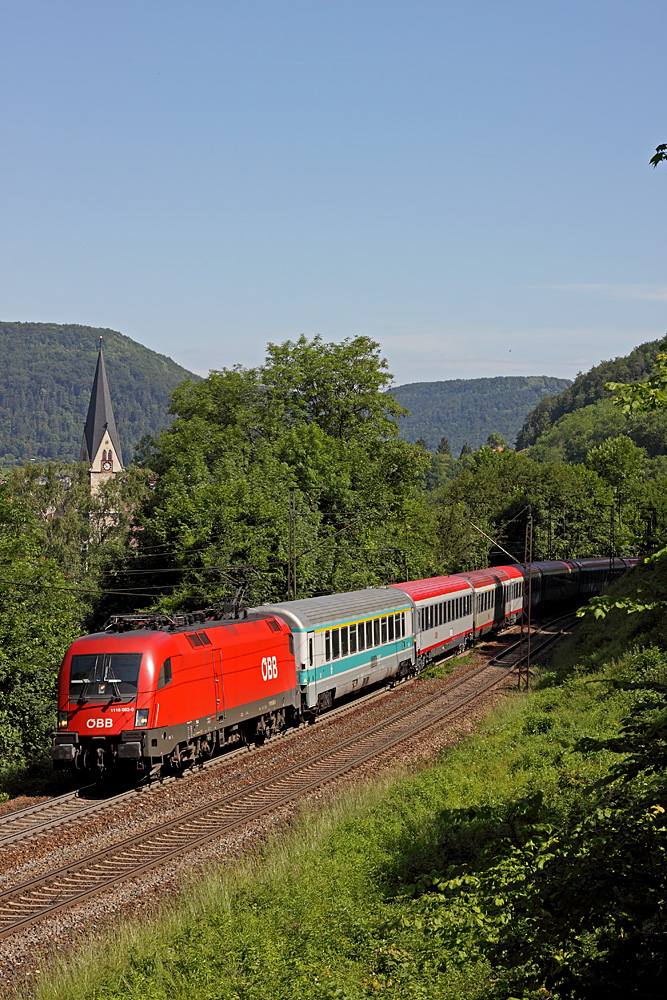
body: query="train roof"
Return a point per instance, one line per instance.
(436, 586)
(554, 566)
(331, 609)
(481, 578)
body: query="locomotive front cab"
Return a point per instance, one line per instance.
(103, 705)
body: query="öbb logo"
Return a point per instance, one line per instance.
(99, 723)
(269, 668)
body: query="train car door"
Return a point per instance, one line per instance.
(219, 682)
(498, 603)
(310, 650)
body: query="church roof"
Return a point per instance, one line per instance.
(100, 419)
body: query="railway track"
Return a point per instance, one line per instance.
(73, 883)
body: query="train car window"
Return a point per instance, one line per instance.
(194, 640)
(327, 645)
(390, 624)
(310, 652)
(165, 674)
(344, 648)
(397, 626)
(376, 631)
(335, 637)
(273, 625)
(383, 628)
(205, 641)
(360, 635)
(403, 624)
(353, 638)
(369, 635)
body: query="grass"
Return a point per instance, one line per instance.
(317, 913)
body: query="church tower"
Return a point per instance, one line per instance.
(100, 446)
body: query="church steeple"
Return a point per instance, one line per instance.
(100, 445)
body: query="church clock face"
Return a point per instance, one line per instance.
(106, 466)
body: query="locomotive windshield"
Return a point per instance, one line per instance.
(104, 676)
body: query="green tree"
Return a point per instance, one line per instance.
(620, 463)
(39, 616)
(443, 447)
(650, 394)
(316, 419)
(496, 440)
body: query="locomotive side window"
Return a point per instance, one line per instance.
(205, 641)
(273, 625)
(165, 674)
(194, 640)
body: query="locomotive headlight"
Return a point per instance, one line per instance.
(63, 720)
(141, 717)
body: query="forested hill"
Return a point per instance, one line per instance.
(587, 388)
(470, 409)
(46, 375)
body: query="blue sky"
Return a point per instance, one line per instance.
(467, 183)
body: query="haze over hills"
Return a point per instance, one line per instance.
(46, 375)
(470, 409)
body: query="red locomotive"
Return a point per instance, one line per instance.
(172, 693)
